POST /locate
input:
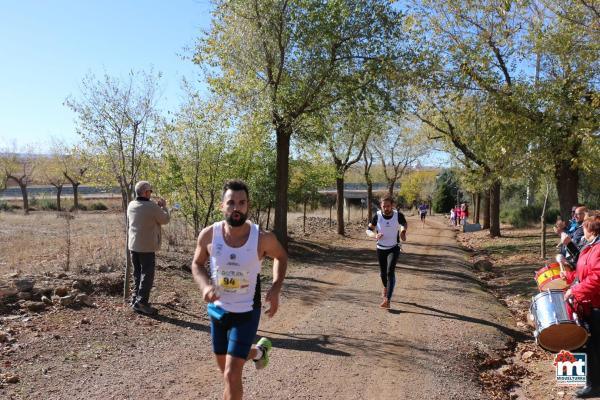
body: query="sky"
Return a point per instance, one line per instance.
(47, 47)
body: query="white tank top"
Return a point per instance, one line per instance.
(234, 270)
(389, 228)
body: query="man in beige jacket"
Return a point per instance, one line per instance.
(145, 219)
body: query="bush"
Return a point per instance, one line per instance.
(526, 215)
(4, 206)
(81, 207)
(551, 215)
(47, 205)
(99, 206)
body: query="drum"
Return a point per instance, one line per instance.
(556, 327)
(549, 277)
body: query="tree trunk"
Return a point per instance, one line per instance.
(391, 189)
(23, 188)
(495, 209)
(128, 265)
(486, 209)
(268, 215)
(339, 184)
(304, 217)
(369, 201)
(281, 183)
(543, 224)
(477, 208)
(76, 196)
(58, 192)
(211, 205)
(567, 182)
(473, 200)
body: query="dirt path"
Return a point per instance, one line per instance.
(331, 340)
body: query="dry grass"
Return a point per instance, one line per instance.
(37, 243)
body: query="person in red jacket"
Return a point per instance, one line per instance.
(586, 298)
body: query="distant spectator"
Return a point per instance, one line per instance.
(145, 219)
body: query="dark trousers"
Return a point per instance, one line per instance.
(387, 267)
(143, 275)
(592, 349)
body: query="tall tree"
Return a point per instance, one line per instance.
(19, 167)
(117, 120)
(292, 58)
(195, 150)
(400, 146)
(489, 45)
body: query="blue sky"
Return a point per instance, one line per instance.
(47, 47)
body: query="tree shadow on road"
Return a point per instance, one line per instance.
(517, 335)
(180, 322)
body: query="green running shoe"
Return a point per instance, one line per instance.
(266, 345)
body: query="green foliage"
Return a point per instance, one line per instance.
(4, 206)
(118, 120)
(523, 216)
(46, 204)
(418, 186)
(444, 196)
(98, 206)
(80, 207)
(307, 177)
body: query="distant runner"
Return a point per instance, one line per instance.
(388, 222)
(235, 248)
(423, 208)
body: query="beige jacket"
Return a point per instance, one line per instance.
(145, 219)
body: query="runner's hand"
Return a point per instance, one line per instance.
(209, 294)
(568, 294)
(403, 236)
(272, 299)
(379, 235)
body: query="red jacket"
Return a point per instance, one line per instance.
(587, 292)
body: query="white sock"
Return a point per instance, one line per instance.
(259, 353)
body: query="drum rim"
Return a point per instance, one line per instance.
(548, 267)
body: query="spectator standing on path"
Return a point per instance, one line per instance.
(391, 227)
(236, 248)
(144, 218)
(464, 213)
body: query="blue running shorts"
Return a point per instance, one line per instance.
(234, 333)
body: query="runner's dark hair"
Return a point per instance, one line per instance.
(388, 197)
(235, 185)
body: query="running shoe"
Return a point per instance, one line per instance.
(265, 344)
(385, 303)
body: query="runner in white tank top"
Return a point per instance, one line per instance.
(235, 271)
(391, 227)
(235, 248)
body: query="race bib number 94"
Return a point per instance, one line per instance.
(233, 281)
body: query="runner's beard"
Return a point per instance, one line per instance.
(236, 222)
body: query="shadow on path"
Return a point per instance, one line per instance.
(449, 315)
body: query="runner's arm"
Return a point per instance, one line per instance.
(372, 226)
(273, 249)
(403, 226)
(199, 272)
